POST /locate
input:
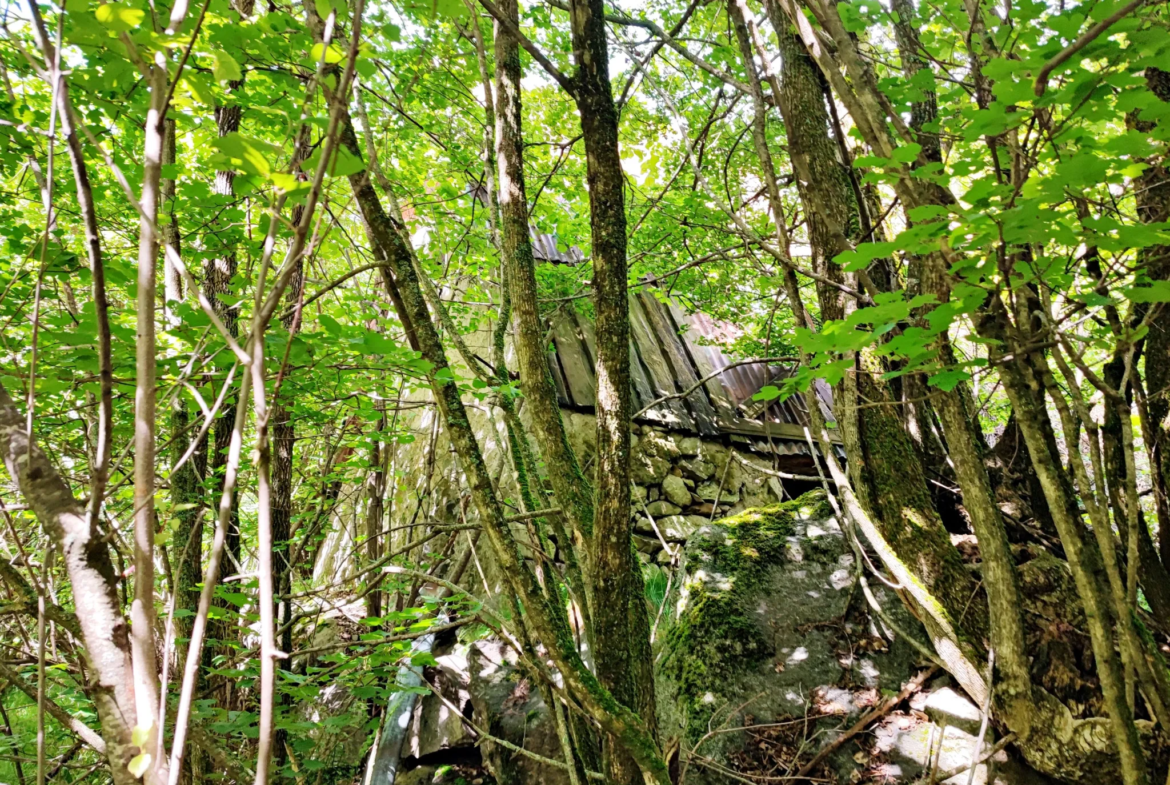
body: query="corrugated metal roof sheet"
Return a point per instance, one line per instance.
(544, 249)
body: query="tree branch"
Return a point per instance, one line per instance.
(1084, 40)
(566, 82)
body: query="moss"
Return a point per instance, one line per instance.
(716, 636)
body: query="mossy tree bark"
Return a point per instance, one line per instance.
(572, 489)
(621, 627)
(965, 443)
(860, 93)
(545, 617)
(883, 462)
(1152, 192)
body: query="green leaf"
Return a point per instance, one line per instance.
(907, 153)
(199, 88)
(948, 380)
(767, 393)
(139, 764)
(927, 212)
(344, 163)
(246, 154)
(226, 68)
(332, 56)
(1152, 292)
(140, 735)
(423, 658)
(119, 17)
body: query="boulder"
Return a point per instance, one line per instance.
(512, 709)
(760, 631)
(946, 707)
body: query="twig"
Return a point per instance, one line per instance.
(882, 709)
(1087, 38)
(771, 473)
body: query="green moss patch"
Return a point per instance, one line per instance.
(717, 637)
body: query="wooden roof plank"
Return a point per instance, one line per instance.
(639, 382)
(558, 379)
(724, 408)
(575, 363)
(684, 370)
(662, 379)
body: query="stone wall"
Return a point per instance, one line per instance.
(682, 482)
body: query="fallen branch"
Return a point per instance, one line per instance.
(879, 711)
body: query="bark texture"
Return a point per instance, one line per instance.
(86, 556)
(621, 628)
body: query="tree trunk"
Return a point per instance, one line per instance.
(1084, 559)
(621, 628)
(883, 462)
(217, 285)
(186, 550)
(1152, 192)
(93, 581)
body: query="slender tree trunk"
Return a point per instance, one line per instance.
(146, 679)
(883, 462)
(217, 286)
(86, 557)
(186, 549)
(573, 490)
(283, 437)
(621, 627)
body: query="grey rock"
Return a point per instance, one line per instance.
(648, 468)
(690, 445)
(644, 539)
(709, 491)
(947, 707)
(662, 508)
(679, 528)
(676, 490)
(760, 650)
(512, 709)
(697, 468)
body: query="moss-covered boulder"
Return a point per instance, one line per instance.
(762, 630)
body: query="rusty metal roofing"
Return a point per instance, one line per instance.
(672, 353)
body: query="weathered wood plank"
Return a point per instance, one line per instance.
(724, 408)
(579, 378)
(558, 379)
(684, 371)
(662, 379)
(778, 430)
(642, 393)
